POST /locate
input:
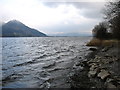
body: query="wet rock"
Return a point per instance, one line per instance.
(109, 80)
(105, 49)
(103, 74)
(79, 69)
(93, 70)
(93, 66)
(93, 61)
(110, 85)
(108, 56)
(93, 49)
(43, 74)
(77, 64)
(97, 57)
(92, 73)
(90, 62)
(97, 60)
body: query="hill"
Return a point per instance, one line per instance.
(15, 28)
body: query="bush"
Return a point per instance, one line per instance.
(100, 31)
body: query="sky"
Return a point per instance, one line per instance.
(54, 17)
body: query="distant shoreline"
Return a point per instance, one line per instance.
(49, 36)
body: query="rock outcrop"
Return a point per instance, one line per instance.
(103, 69)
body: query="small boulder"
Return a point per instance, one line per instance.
(103, 74)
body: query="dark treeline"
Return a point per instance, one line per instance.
(110, 28)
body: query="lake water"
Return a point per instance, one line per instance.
(40, 62)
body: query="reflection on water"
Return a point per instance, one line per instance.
(40, 61)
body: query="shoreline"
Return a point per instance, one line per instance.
(100, 69)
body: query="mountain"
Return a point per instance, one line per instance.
(15, 28)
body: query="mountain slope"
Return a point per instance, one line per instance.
(15, 28)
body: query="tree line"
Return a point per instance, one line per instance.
(110, 28)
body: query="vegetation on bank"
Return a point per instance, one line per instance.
(108, 31)
(98, 42)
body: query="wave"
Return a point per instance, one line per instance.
(49, 64)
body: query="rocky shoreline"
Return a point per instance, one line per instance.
(100, 69)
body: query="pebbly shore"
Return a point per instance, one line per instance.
(100, 69)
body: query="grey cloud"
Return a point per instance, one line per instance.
(90, 9)
(92, 13)
(52, 4)
(79, 5)
(87, 5)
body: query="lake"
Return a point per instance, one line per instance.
(40, 62)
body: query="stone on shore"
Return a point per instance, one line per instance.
(93, 66)
(110, 85)
(92, 73)
(101, 68)
(103, 74)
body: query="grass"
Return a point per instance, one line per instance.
(98, 42)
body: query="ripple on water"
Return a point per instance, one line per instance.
(39, 61)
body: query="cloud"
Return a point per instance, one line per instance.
(53, 17)
(87, 15)
(89, 9)
(73, 0)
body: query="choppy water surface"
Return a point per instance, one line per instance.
(40, 61)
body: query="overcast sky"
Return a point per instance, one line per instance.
(54, 16)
